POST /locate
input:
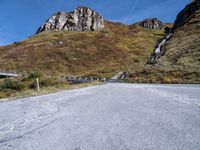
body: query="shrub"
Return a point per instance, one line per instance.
(44, 83)
(51, 82)
(3, 94)
(13, 85)
(35, 75)
(33, 85)
(167, 80)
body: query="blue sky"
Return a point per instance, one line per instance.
(21, 18)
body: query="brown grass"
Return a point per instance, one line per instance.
(118, 47)
(180, 60)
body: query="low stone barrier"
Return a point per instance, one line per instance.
(78, 80)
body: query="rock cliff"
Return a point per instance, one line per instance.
(181, 54)
(80, 19)
(186, 14)
(152, 23)
(188, 19)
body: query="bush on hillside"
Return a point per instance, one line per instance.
(3, 94)
(33, 76)
(12, 85)
(42, 83)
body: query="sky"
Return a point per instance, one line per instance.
(20, 19)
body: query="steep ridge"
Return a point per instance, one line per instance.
(186, 14)
(179, 59)
(182, 52)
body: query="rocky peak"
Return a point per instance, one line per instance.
(152, 23)
(80, 19)
(186, 14)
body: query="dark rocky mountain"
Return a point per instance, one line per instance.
(182, 50)
(80, 19)
(184, 17)
(152, 23)
(179, 56)
(186, 14)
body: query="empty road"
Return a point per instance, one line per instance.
(113, 116)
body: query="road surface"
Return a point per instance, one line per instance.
(107, 117)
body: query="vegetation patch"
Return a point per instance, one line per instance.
(26, 86)
(12, 85)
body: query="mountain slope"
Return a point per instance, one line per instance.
(182, 53)
(180, 58)
(117, 47)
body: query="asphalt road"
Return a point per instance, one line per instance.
(107, 117)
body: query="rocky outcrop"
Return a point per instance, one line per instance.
(81, 19)
(152, 23)
(182, 19)
(185, 15)
(179, 51)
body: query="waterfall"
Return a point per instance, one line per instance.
(158, 49)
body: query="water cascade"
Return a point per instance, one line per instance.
(158, 49)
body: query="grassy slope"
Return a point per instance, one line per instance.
(183, 50)
(180, 62)
(118, 47)
(184, 47)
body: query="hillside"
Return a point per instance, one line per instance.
(101, 53)
(179, 61)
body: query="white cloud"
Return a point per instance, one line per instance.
(133, 6)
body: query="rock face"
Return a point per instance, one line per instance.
(81, 19)
(152, 23)
(180, 56)
(185, 15)
(189, 15)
